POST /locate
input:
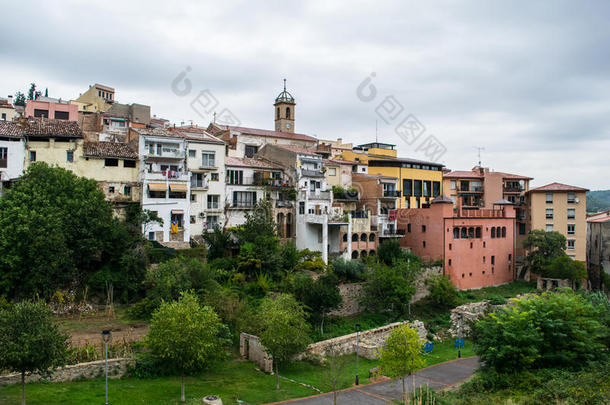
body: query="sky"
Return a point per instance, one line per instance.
(526, 81)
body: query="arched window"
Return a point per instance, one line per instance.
(471, 232)
(354, 254)
(456, 233)
(288, 112)
(289, 225)
(493, 232)
(504, 232)
(344, 237)
(355, 237)
(280, 224)
(478, 232)
(363, 237)
(277, 113)
(464, 233)
(363, 253)
(372, 237)
(372, 253)
(498, 232)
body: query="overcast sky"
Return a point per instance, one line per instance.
(528, 81)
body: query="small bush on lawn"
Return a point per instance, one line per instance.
(442, 291)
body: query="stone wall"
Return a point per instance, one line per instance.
(94, 369)
(421, 290)
(351, 294)
(552, 283)
(250, 348)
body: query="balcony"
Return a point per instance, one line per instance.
(199, 185)
(166, 175)
(311, 173)
(243, 205)
(513, 189)
(318, 195)
(391, 193)
(315, 218)
(284, 204)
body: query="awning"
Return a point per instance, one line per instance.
(157, 187)
(180, 188)
(177, 211)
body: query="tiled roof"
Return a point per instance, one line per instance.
(339, 162)
(198, 134)
(265, 132)
(10, 129)
(50, 128)
(157, 132)
(299, 150)
(600, 219)
(514, 176)
(109, 150)
(457, 174)
(6, 104)
(250, 162)
(557, 187)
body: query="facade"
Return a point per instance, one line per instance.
(45, 107)
(7, 111)
(12, 152)
(598, 248)
(205, 161)
(477, 247)
(562, 208)
(284, 111)
(98, 98)
(335, 148)
(56, 142)
(166, 184)
(338, 172)
(418, 181)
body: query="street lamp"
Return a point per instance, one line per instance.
(106, 339)
(357, 342)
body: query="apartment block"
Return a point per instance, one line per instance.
(562, 208)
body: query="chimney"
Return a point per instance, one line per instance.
(10, 99)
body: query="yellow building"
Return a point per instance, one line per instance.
(562, 208)
(418, 181)
(98, 98)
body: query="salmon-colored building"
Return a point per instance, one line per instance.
(46, 107)
(477, 247)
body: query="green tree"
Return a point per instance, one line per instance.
(54, 230)
(390, 287)
(171, 278)
(30, 342)
(284, 331)
(186, 336)
(319, 296)
(442, 291)
(555, 329)
(19, 99)
(543, 247)
(32, 93)
(566, 268)
(219, 243)
(402, 355)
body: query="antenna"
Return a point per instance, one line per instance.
(376, 140)
(479, 149)
(284, 84)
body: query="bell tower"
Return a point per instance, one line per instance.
(284, 111)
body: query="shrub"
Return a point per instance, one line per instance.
(169, 279)
(349, 270)
(565, 268)
(390, 287)
(553, 329)
(442, 291)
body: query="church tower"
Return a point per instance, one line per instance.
(284, 111)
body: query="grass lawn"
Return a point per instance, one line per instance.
(231, 380)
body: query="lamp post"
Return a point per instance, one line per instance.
(357, 342)
(106, 339)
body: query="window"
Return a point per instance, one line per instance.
(436, 188)
(111, 189)
(127, 191)
(61, 115)
(504, 232)
(571, 198)
(3, 157)
(32, 156)
(3, 116)
(456, 233)
(192, 219)
(111, 162)
(250, 150)
(571, 213)
(549, 213)
(549, 198)
(288, 112)
(213, 176)
(452, 184)
(193, 197)
(151, 148)
(244, 199)
(464, 233)
(151, 236)
(41, 113)
(407, 187)
(417, 189)
(235, 177)
(129, 163)
(178, 219)
(478, 232)
(493, 260)
(493, 232)
(332, 171)
(449, 262)
(424, 243)
(571, 229)
(213, 200)
(159, 149)
(302, 207)
(423, 228)
(521, 228)
(70, 156)
(207, 159)
(549, 227)
(197, 180)
(212, 221)
(192, 153)
(409, 228)
(427, 188)
(571, 244)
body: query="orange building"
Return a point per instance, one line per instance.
(477, 247)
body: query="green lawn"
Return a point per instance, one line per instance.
(231, 380)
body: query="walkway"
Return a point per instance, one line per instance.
(439, 376)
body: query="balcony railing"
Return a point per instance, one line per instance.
(391, 193)
(312, 173)
(284, 204)
(243, 204)
(167, 175)
(512, 189)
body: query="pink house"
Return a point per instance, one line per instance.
(477, 247)
(51, 108)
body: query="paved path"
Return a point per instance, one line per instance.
(441, 375)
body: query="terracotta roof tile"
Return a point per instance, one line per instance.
(50, 128)
(297, 149)
(557, 187)
(250, 162)
(10, 129)
(109, 150)
(265, 132)
(456, 174)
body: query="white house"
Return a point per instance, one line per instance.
(12, 152)
(166, 184)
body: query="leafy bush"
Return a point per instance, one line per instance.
(390, 287)
(496, 300)
(390, 251)
(442, 291)
(553, 329)
(565, 268)
(349, 270)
